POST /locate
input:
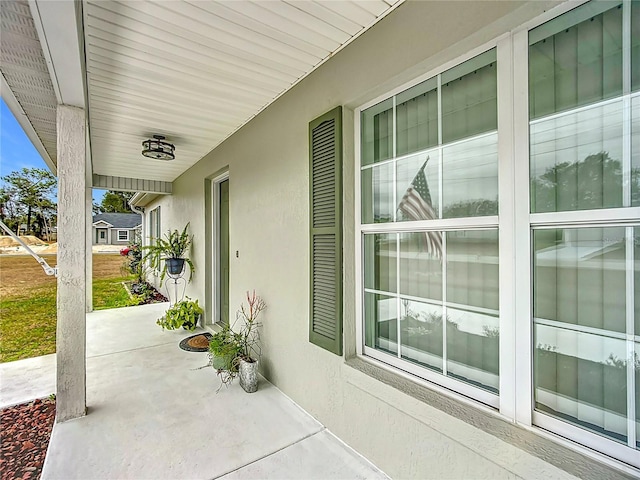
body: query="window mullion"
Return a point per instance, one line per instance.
(626, 103)
(398, 308)
(440, 159)
(395, 163)
(626, 151)
(506, 233)
(626, 47)
(444, 303)
(521, 288)
(475, 223)
(630, 327)
(609, 216)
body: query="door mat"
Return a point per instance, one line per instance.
(196, 343)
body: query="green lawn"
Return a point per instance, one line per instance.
(28, 325)
(110, 293)
(28, 311)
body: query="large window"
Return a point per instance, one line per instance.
(429, 183)
(585, 156)
(530, 294)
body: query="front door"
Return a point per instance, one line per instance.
(102, 235)
(223, 241)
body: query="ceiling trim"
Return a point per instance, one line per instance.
(142, 199)
(127, 184)
(25, 123)
(57, 27)
(37, 21)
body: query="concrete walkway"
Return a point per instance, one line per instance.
(26, 380)
(153, 414)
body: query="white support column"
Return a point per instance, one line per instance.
(72, 271)
(89, 246)
(88, 226)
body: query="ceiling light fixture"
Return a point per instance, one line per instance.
(158, 149)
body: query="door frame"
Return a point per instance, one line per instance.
(212, 281)
(99, 231)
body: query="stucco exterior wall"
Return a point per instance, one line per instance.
(269, 228)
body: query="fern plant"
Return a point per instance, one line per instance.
(175, 244)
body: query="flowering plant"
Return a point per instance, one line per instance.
(248, 336)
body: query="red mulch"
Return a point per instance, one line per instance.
(24, 435)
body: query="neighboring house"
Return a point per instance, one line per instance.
(116, 228)
(442, 214)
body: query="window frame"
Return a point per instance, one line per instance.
(515, 224)
(123, 239)
(484, 397)
(154, 224)
(527, 222)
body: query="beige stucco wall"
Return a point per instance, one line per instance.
(268, 165)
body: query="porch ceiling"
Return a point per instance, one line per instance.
(194, 71)
(197, 71)
(26, 84)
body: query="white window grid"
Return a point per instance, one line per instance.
(443, 225)
(516, 225)
(123, 235)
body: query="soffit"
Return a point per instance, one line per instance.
(28, 90)
(197, 71)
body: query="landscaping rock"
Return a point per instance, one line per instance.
(25, 431)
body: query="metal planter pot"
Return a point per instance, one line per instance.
(248, 373)
(174, 265)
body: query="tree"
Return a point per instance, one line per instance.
(45, 218)
(10, 211)
(31, 189)
(114, 202)
(594, 182)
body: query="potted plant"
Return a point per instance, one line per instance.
(223, 354)
(248, 339)
(184, 313)
(236, 352)
(223, 350)
(172, 249)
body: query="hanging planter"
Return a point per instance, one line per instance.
(175, 266)
(173, 249)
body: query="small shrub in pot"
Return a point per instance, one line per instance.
(184, 313)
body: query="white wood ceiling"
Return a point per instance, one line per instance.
(25, 71)
(196, 71)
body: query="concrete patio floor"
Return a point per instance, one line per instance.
(152, 414)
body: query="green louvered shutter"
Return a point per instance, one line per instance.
(325, 167)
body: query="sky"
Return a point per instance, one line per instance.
(16, 150)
